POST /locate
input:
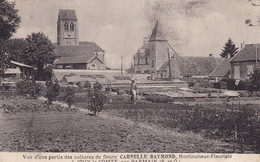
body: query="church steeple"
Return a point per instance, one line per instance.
(157, 34)
(67, 28)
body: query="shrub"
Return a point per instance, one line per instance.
(97, 86)
(254, 81)
(69, 96)
(242, 85)
(96, 102)
(159, 99)
(28, 87)
(230, 83)
(52, 91)
(87, 84)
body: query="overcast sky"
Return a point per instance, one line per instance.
(193, 27)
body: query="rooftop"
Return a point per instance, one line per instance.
(66, 14)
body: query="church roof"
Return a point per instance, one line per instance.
(71, 51)
(157, 34)
(66, 14)
(75, 60)
(248, 53)
(92, 44)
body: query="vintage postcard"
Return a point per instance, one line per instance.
(129, 80)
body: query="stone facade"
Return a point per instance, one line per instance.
(153, 57)
(72, 53)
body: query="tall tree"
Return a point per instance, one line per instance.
(15, 48)
(9, 22)
(9, 19)
(229, 49)
(39, 52)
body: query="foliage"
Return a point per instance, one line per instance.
(9, 19)
(39, 52)
(97, 86)
(15, 48)
(230, 83)
(9, 22)
(218, 122)
(254, 81)
(69, 96)
(28, 87)
(96, 101)
(87, 84)
(159, 99)
(47, 71)
(229, 50)
(242, 85)
(52, 91)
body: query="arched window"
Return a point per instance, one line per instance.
(66, 26)
(71, 27)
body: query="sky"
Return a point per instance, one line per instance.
(192, 27)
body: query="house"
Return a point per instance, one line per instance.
(27, 72)
(221, 71)
(17, 71)
(245, 61)
(197, 67)
(72, 53)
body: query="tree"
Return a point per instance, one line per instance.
(9, 22)
(39, 52)
(254, 81)
(52, 91)
(16, 49)
(9, 19)
(69, 96)
(229, 50)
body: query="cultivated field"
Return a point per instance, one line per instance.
(32, 125)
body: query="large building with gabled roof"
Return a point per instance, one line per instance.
(72, 53)
(245, 62)
(153, 57)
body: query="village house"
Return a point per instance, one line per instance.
(245, 61)
(72, 53)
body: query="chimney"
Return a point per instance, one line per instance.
(146, 39)
(243, 45)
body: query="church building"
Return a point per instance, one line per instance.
(156, 56)
(72, 53)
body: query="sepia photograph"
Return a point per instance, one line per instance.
(130, 76)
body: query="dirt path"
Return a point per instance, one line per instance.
(79, 132)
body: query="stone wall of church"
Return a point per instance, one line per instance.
(161, 48)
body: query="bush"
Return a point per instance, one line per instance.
(28, 87)
(230, 83)
(97, 101)
(97, 86)
(69, 96)
(159, 99)
(52, 91)
(87, 84)
(242, 85)
(254, 81)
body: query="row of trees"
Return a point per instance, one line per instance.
(35, 50)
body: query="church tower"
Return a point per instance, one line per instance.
(67, 28)
(158, 47)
